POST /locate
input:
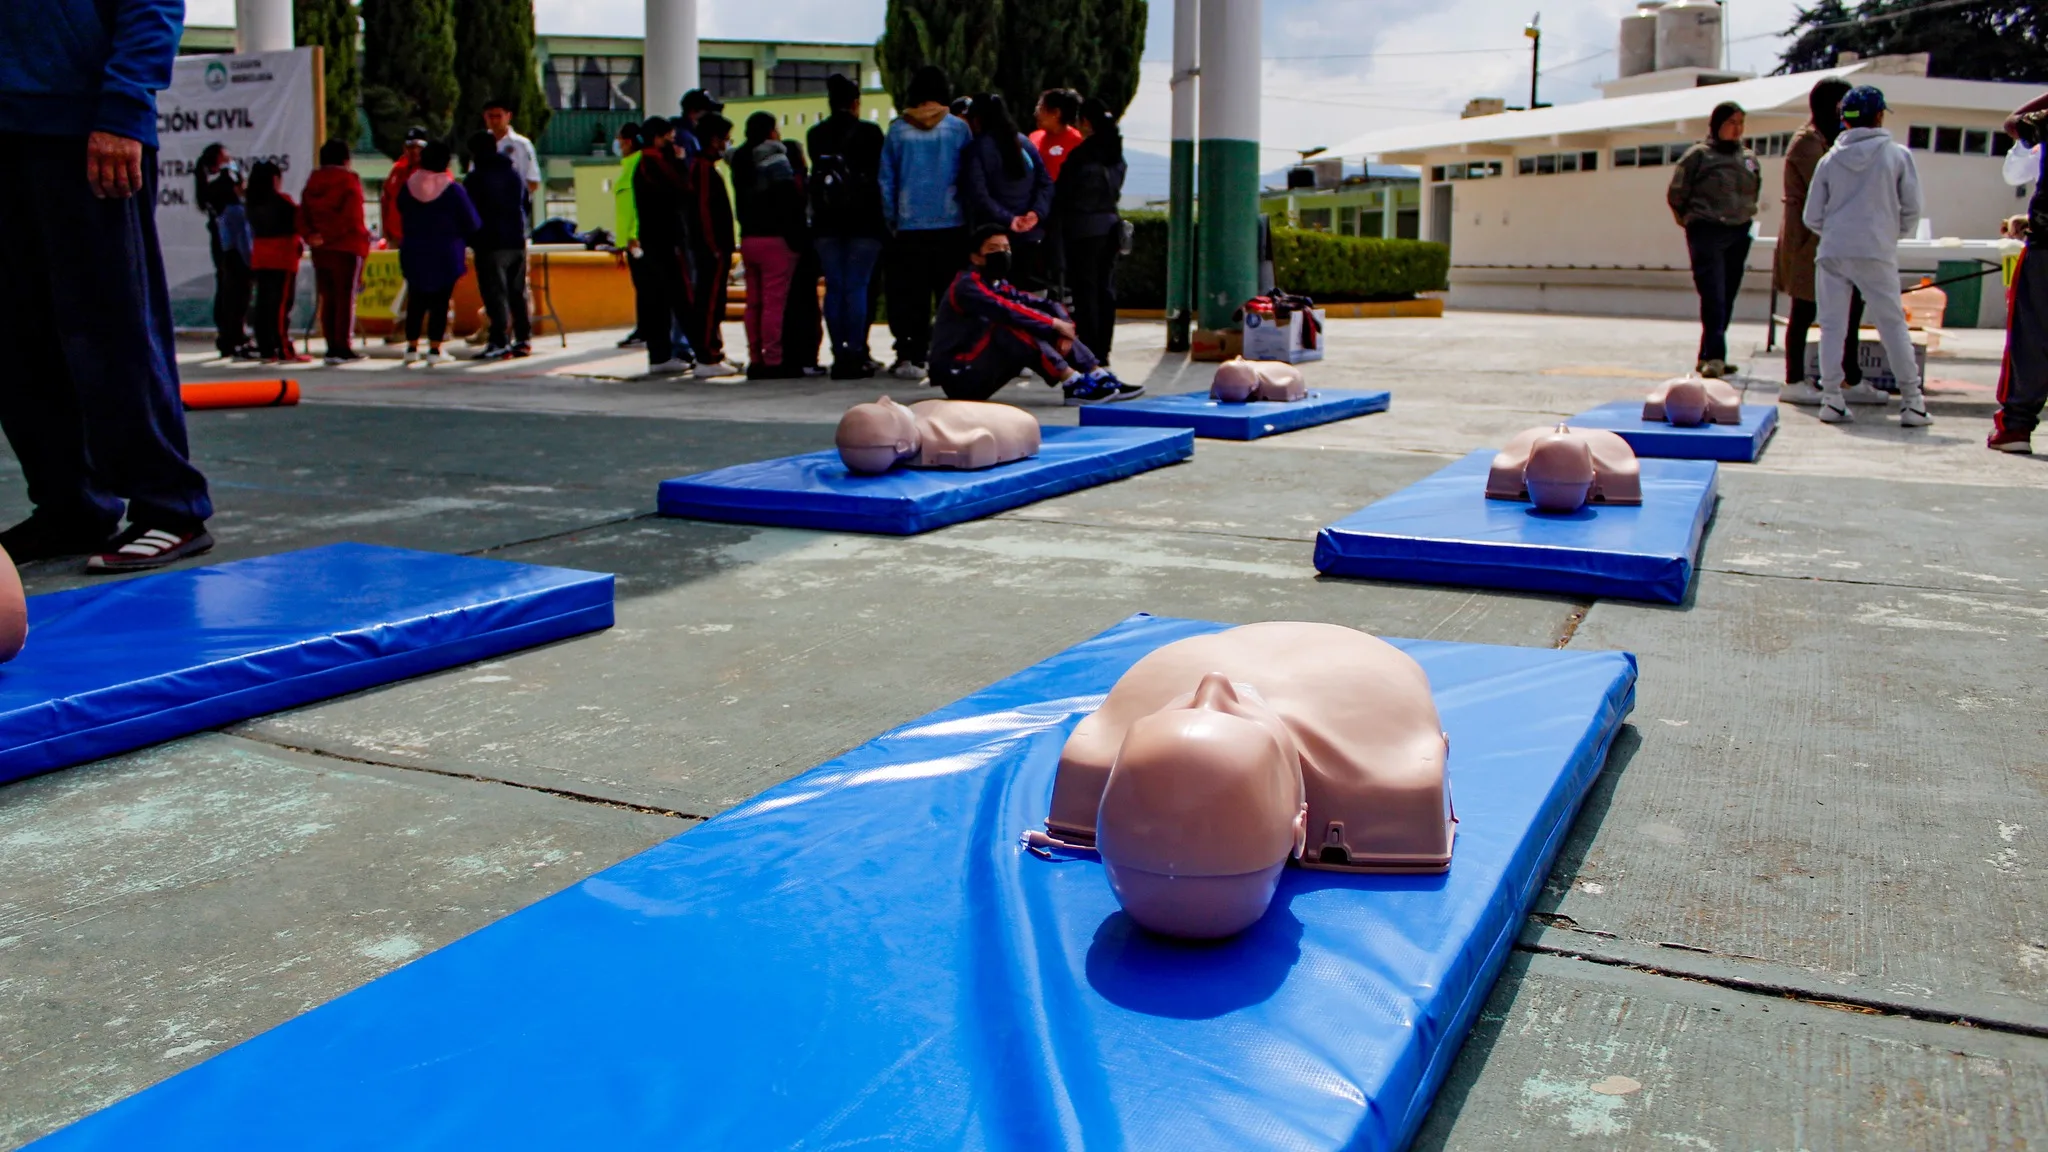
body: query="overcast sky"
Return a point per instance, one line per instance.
(1335, 68)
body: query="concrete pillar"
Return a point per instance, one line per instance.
(1227, 268)
(668, 64)
(263, 26)
(1180, 218)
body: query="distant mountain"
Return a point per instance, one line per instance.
(1150, 175)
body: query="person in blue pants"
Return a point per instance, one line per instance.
(90, 403)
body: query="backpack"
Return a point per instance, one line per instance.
(832, 186)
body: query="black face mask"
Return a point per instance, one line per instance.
(997, 264)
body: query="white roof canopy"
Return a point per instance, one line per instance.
(1680, 109)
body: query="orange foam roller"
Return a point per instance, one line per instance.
(242, 394)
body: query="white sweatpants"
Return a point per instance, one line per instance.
(1878, 280)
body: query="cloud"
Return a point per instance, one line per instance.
(1336, 68)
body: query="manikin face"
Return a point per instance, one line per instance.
(498, 121)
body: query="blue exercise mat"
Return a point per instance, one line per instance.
(118, 666)
(1443, 530)
(1741, 443)
(1219, 421)
(864, 957)
(815, 490)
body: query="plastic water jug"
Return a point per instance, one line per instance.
(1925, 305)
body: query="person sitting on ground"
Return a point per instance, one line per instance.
(498, 191)
(987, 332)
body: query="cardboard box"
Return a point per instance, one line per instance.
(1294, 342)
(1877, 371)
(1216, 344)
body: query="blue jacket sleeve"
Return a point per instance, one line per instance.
(1041, 183)
(971, 295)
(235, 234)
(892, 155)
(471, 222)
(143, 41)
(981, 207)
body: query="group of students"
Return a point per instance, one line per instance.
(976, 227)
(1851, 192)
(258, 235)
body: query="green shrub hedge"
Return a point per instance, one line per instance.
(1315, 264)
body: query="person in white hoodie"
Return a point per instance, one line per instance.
(1864, 198)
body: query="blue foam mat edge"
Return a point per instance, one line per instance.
(1218, 421)
(1739, 443)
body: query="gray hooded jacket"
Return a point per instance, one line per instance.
(1865, 196)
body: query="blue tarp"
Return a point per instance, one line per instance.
(1219, 421)
(815, 490)
(1443, 530)
(119, 666)
(864, 957)
(1741, 443)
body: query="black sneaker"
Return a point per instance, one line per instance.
(499, 353)
(1101, 388)
(633, 340)
(522, 350)
(44, 537)
(141, 548)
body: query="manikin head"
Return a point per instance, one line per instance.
(1239, 381)
(13, 610)
(1685, 402)
(1203, 808)
(874, 438)
(1560, 472)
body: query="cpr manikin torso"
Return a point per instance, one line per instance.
(1560, 469)
(873, 438)
(1239, 381)
(13, 610)
(1218, 758)
(1689, 401)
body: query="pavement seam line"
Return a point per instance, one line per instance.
(542, 539)
(559, 793)
(1866, 583)
(1572, 620)
(1784, 990)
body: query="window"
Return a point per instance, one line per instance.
(1958, 141)
(2000, 144)
(807, 77)
(1476, 170)
(1436, 174)
(1624, 157)
(1546, 165)
(604, 83)
(1556, 162)
(1650, 156)
(1774, 145)
(1347, 221)
(1371, 223)
(1919, 136)
(1948, 139)
(726, 78)
(1976, 142)
(1315, 219)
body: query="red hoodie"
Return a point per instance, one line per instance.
(331, 207)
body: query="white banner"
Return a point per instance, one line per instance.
(262, 107)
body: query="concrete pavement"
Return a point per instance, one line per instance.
(1803, 908)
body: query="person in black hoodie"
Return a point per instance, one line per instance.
(499, 193)
(769, 198)
(1003, 180)
(846, 222)
(1091, 232)
(217, 183)
(662, 200)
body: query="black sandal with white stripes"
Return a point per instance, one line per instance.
(140, 548)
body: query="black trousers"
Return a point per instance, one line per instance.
(429, 311)
(230, 300)
(661, 290)
(90, 399)
(703, 315)
(501, 281)
(2023, 378)
(1091, 279)
(919, 266)
(1008, 351)
(274, 292)
(1718, 253)
(1804, 313)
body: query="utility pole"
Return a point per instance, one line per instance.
(1534, 31)
(264, 26)
(668, 65)
(1180, 210)
(1227, 271)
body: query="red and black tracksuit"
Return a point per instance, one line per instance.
(712, 246)
(988, 331)
(665, 274)
(274, 221)
(2023, 378)
(331, 208)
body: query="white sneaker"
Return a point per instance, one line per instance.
(1914, 418)
(1830, 414)
(712, 368)
(672, 367)
(412, 356)
(432, 358)
(907, 370)
(1803, 392)
(333, 361)
(1863, 392)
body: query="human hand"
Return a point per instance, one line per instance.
(113, 165)
(1065, 329)
(313, 240)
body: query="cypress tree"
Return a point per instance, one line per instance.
(961, 38)
(1091, 46)
(332, 25)
(408, 69)
(494, 60)
(1118, 27)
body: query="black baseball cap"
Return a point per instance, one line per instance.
(415, 135)
(698, 100)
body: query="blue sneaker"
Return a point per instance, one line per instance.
(1101, 387)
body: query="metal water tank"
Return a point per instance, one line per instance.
(1689, 35)
(1638, 46)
